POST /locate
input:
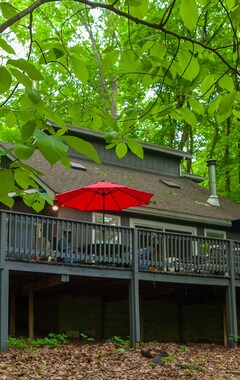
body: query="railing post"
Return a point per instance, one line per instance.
(4, 287)
(3, 238)
(231, 308)
(134, 295)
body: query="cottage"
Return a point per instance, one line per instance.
(168, 271)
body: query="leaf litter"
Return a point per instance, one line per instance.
(105, 361)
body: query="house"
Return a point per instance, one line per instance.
(168, 271)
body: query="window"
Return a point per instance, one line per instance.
(110, 220)
(101, 233)
(162, 227)
(172, 245)
(215, 234)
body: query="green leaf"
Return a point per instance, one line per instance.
(48, 198)
(5, 80)
(235, 14)
(8, 201)
(236, 113)
(108, 120)
(158, 50)
(128, 61)
(208, 85)
(54, 117)
(230, 4)
(23, 179)
(121, 150)
(39, 203)
(213, 105)
(11, 119)
(110, 146)
(188, 64)
(23, 152)
(203, 2)
(48, 56)
(30, 69)
(28, 199)
(133, 3)
(197, 106)
(135, 147)
(22, 78)
(34, 96)
(5, 46)
(82, 147)
(52, 45)
(8, 10)
(79, 68)
(189, 13)
(188, 116)
(35, 201)
(109, 60)
(227, 83)
(96, 122)
(7, 182)
(28, 129)
(51, 147)
(75, 112)
(109, 136)
(226, 104)
(19, 164)
(138, 8)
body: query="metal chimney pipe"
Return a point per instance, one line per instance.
(213, 199)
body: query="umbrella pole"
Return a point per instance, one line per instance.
(103, 208)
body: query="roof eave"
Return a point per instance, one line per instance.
(181, 216)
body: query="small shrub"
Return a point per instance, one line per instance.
(85, 337)
(191, 367)
(16, 342)
(121, 351)
(169, 359)
(52, 340)
(184, 348)
(118, 340)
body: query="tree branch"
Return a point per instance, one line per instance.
(24, 13)
(121, 13)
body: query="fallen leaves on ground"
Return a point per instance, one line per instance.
(106, 361)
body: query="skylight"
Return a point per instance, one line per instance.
(76, 165)
(170, 183)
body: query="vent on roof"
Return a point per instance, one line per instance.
(76, 165)
(170, 183)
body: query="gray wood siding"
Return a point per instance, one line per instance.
(153, 162)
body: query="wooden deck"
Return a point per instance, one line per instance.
(33, 245)
(38, 239)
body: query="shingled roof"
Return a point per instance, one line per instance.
(178, 198)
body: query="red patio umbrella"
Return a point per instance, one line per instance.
(104, 196)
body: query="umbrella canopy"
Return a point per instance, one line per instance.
(104, 196)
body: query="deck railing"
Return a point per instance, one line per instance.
(39, 238)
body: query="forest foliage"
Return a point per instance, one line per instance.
(165, 72)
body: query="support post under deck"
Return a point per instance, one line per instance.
(31, 315)
(4, 300)
(134, 297)
(231, 308)
(4, 287)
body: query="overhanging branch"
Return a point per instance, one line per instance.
(126, 15)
